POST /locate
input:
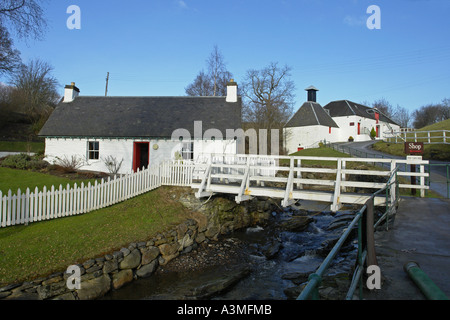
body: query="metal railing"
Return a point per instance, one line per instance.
(366, 244)
(442, 178)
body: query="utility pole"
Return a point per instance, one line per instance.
(107, 79)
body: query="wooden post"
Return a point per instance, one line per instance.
(413, 179)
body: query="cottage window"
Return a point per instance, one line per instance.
(352, 124)
(93, 150)
(187, 152)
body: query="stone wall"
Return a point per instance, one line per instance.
(141, 259)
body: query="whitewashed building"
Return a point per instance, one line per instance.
(338, 121)
(357, 121)
(137, 132)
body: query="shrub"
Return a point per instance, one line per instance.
(112, 164)
(16, 161)
(373, 133)
(69, 165)
(24, 161)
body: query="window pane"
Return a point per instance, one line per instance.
(93, 150)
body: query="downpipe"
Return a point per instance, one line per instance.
(425, 284)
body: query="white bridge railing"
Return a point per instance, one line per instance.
(286, 177)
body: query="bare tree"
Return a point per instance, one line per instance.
(216, 66)
(268, 96)
(36, 89)
(384, 106)
(214, 82)
(9, 57)
(201, 85)
(402, 117)
(432, 113)
(398, 114)
(25, 17)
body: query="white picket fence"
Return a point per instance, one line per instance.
(38, 205)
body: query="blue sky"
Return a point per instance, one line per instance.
(157, 47)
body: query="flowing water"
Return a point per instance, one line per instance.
(297, 254)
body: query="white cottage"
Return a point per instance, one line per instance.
(357, 121)
(140, 131)
(338, 121)
(310, 125)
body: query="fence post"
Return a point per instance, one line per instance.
(2, 211)
(370, 240)
(422, 181)
(27, 206)
(337, 188)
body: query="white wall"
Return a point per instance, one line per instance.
(366, 126)
(206, 147)
(308, 137)
(160, 150)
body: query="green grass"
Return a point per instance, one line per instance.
(42, 248)
(22, 146)
(23, 179)
(318, 152)
(431, 151)
(443, 125)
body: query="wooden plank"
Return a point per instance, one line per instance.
(337, 189)
(377, 185)
(287, 199)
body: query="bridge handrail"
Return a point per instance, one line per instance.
(314, 279)
(264, 168)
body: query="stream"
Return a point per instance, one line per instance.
(276, 257)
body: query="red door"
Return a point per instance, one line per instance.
(141, 155)
(378, 131)
(359, 128)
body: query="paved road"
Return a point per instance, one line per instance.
(438, 174)
(420, 233)
(7, 153)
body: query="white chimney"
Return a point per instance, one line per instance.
(70, 92)
(231, 91)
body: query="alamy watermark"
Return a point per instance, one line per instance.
(74, 20)
(257, 140)
(374, 278)
(374, 21)
(74, 280)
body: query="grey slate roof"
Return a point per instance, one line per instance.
(342, 108)
(140, 116)
(310, 114)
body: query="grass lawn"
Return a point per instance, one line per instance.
(431, 151)
(318, 152)
(42, 248)
(22, 146)
(23, 179)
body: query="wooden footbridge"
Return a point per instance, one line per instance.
(336, 181)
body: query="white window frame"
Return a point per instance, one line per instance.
(187, 151)
(95, 151)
